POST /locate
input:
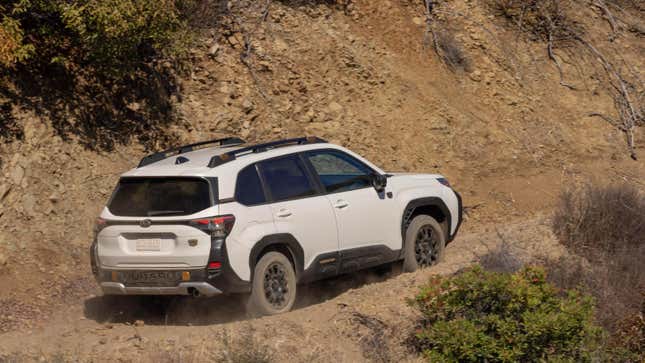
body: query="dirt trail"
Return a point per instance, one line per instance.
(331, 322)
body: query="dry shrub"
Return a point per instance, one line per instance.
(44, 358)
(501, 259)
(244, 348)
(630, 336)
(544, 19)
(450, 51)
(619, 306)
(605, 224)
(374, 344)
(599, 221)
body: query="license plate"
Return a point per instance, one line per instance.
(150, 277)
(149, 244)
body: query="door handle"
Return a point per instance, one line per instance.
(340, 204)
(283, 213)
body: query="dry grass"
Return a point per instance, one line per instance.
(605, 224)
(501, 259)
(374, 344)
(243, 347)
(599, 221)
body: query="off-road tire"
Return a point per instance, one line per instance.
(419, 252)
(273, 290)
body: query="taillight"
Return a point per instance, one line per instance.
(99, 225)
(219, 226)
(94, 258)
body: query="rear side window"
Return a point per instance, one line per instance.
(248, 190)
(157, 197)
(286, 178)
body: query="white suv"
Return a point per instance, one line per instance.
(223, 217)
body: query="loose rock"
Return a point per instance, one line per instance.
(17, 173)
(213, 50)
(335, 107)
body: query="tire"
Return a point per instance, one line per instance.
(425, 241)
(273, 290)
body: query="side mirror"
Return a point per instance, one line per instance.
(379, 182)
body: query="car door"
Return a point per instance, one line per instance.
(366, 219)
(298, 206)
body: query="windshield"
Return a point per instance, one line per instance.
(158, 197)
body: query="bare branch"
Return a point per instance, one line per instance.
(630, 114)
(610, 18)
(557, 63)
(609, 120)
(245, 55)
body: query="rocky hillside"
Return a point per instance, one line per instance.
(465, 91)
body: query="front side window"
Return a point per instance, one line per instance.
(158, 197)
(286, 178)
(340, 172)
(248, 190)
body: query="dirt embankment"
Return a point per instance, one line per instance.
(500, 127)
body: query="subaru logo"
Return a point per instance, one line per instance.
(145, 223)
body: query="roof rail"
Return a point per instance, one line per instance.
(158, 156)
(232, 155)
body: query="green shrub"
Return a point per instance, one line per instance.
(113, 35)
(104, 70)
(12, 49)
(479, 316)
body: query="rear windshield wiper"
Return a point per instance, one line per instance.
(164, 212)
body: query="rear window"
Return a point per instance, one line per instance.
(157, 197)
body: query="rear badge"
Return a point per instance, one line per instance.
(192, 242)
(145, 223)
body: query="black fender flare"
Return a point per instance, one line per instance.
(285, 239)
(406, 218)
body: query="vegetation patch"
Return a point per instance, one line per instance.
(598, 221)
(100, 70)
(605, 224)
(480, 316)
(544, 19)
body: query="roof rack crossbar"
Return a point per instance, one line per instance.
(232, 155)
(158, 156)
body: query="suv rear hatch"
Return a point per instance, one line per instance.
(150, 223)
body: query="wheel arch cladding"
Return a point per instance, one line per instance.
(284, 243)
(432, 206)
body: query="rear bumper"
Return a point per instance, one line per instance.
(184, 288)
(204, 281)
